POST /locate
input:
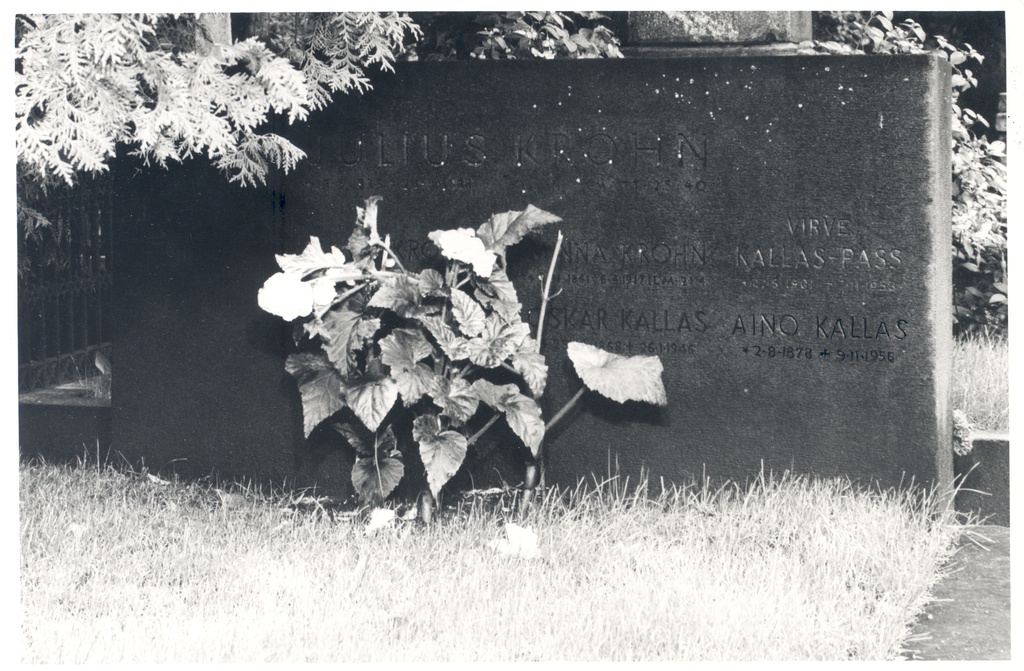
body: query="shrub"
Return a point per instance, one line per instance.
(515, 35)
(979, 165)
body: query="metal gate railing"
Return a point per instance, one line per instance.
(64, 292)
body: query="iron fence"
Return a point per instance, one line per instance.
(64, 283)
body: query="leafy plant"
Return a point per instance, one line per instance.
(515, 35)
(436, 355)
(979, 165)
(86, 83)
(544, 35)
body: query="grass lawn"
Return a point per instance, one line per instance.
(117, 567)
(981, 381)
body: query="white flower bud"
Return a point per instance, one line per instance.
(287, 296)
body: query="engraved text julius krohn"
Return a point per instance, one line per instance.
(524, 149)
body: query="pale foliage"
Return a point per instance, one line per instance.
(86, 83)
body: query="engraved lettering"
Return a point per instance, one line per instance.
(601, 149)
(701, 324)
(858, 327)
(355, 148)
(654, 149)
(428, 155)
(559, 147)
(825, 226)
(764, 324)
(703, 158)
(475, 152)
(382, 158)
(662, 321)
(524, 149)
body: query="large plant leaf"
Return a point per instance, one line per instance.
(320, 386)
(499, 341)
(353, 438)
(442, 452)
(457, 399)
(508, 311)
(359, 243)
(365, 329)
(414, 383)
(431, 283)
(404, 348)
(400, 294)
(461, 244)
(314, 328)
(521, 412)
(346, 332)
(402, 351)
(371, 399)
(454, 346)
(620, 378)
(496, 287)
(374, 479)
(532, 366)
(311, 260)
(467, 313)
(375, 482)
(507, 228)
(386, 441)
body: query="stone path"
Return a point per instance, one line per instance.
(970, 617)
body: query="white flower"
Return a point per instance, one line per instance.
(287, 296)
(462, 244)
(324, 291)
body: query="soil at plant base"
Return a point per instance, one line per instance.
(969, 618)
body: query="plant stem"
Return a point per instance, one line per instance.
(539, 459)
(472, 439)
(565, 408)
(546, 296)
(395, 257)
(376, 467)
(385, 274)
(354, 290)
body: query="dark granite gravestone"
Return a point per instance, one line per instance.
(775, 229)
(199, 386)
